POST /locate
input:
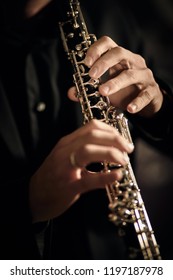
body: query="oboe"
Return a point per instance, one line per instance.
(127, 209)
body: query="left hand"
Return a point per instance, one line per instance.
(130, 85)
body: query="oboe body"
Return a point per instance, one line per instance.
(127, 209)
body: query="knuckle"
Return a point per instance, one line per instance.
(150, 74)
(94, 51)
(106, 39)
(117, 82)
(84, 150)
(92, 133)
(140, 60)
(139, 86)
(94, 123)
(125, 64)
(111, 153)
(147, 95)
(104, 64)
(144, 96)
(120, 52)
(131, 75)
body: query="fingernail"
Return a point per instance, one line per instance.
(88, 61)
(105, 89)
(93, 72)
(130, 146)
(132, 108)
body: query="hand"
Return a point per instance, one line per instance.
(130, 85)
(59, 183)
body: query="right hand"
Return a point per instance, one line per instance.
(57, 184)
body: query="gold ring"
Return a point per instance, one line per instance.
(73, 161)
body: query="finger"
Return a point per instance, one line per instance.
(145, 98)
(141, 101)
(109, 59)
(139, 77)
(97, 180)
(93, 153)
(106, 138)
(98, 137)
(84, 130)
(72, 94)
(113, 58)
(101, 46)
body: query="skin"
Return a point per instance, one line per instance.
(131, 85)
(34, 6)
(57, 184)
